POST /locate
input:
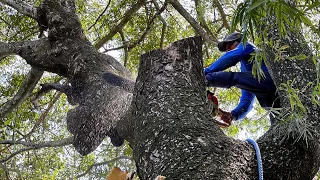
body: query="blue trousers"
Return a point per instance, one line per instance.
(264, 90)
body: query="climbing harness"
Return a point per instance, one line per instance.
(256, 148)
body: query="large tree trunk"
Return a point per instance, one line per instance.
(174, 134)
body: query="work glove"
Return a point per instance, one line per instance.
(226, 117)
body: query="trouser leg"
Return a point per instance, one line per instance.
(264, 89)
(220, 79)
(246, 81)
(242, 80)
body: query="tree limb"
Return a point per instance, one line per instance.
(23, 48)
(105, 9)
(164, 23)
(6, 49)
(47, 87)
(33, 146)
(25, 90)
(118, 66)
(222, 14)
(38, 53)
(132, 45)
(22, 7)
(148, 27)
(200, 16)
(125, 46)
(102, 163)
(128, 15)
(207, 37)
(44, 114)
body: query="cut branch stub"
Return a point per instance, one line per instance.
(173, 131)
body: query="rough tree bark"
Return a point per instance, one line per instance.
(67, 52)
(295, 159)
(173, 132)
(168, 124)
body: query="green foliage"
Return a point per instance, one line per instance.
(250, 17)
(316, 95)
(15, 26)
(251, 14)
(295, 102)
(297, 126)
(256, 61)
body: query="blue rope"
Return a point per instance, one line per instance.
(256, 148)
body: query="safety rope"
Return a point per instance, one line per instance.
(256, 148)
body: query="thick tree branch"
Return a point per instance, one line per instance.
(25, 90)
(103, 163)
(127, 16)
(21, 7)
(45, 88)
(6, 49)
(33, 146)
(115, 80)
(68, 53)
(125, 72)
(37, 53)
(207, 37)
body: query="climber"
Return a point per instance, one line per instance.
(250, 86)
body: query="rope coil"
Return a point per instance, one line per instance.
(256, 148)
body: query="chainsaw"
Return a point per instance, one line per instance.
(216, 112)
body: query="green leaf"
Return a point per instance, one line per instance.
(301, 57)
(7, 122)
(312, 6)
(257, 4)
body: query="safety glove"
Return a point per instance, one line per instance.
(226, 117)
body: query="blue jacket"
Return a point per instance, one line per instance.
(239, 54)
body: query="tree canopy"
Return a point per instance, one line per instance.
(38, 122)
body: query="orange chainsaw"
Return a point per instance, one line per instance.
(216, 112)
